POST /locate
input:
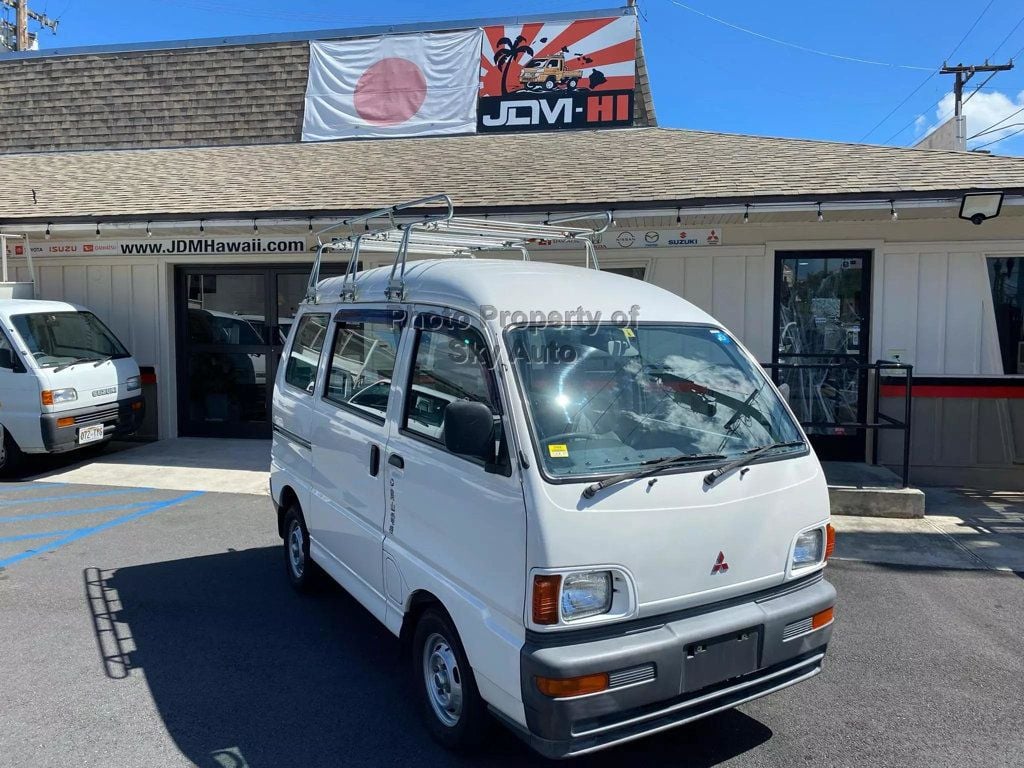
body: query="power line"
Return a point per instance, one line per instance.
(1008, 35)
(970, 29)
(1001, 138)
(797, 46)
(997, 122)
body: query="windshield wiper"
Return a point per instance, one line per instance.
(651, 467)
(76, 361)
(100, 361)
(748, 456)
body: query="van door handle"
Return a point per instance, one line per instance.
(396, 461)
(374, 460)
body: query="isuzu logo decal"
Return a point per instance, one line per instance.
(720, 565)
(104, 391)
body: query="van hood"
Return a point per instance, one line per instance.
(668, 531)
(95, 384)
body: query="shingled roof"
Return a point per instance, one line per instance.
(187, 93)
(619, 168)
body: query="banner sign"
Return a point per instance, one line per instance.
(638, 239)
(395, 85)
(177, 246)
(578, 74)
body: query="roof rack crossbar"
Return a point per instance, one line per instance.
(444, 234)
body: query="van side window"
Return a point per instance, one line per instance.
(362, 363)
(8, 358)
(449, 365)
(304, 357)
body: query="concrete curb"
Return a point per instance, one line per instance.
(903, 503)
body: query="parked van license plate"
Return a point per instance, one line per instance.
(90, 434)
(723, 658)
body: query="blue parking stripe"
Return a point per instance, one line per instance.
(72, 512)
(26, 536)
(83, 532)
(83, 495)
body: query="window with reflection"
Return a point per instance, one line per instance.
(304, 356)
(1007, 302)
(363, 362)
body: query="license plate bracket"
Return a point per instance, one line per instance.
(722, 658)
(91, 434)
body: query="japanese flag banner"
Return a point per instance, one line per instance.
(395, 85)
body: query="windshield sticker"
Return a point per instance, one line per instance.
(629, 333)
(558, 451)
(721, 337)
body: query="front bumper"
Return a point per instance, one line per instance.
(654, 684)
(122, 417)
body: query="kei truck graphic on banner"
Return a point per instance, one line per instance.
(578, 74)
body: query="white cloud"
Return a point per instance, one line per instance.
(983, 110)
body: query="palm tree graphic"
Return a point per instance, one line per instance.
(507, 52)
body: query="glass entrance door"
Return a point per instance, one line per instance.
(822, 309)
(232, 323)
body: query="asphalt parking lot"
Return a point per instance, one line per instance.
(159, 630)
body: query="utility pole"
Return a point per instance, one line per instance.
(964, 73)
(18, 38)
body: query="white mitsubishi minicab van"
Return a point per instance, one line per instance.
(66, 382)
(575, 497)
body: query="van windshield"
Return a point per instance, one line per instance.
(607, 399)
(58, 338)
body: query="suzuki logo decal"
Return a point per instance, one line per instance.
(720, 565)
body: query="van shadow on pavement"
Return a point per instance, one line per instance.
(245, 672)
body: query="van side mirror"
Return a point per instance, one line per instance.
(469, 429)
(8, 360)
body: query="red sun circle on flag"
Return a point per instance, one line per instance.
(390, 91)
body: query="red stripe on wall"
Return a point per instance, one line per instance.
(972, 391)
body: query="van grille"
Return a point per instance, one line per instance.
(110, 414)
(631, 675)
(797, 628)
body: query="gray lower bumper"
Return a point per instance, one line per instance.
(122, 417)
(674, 672)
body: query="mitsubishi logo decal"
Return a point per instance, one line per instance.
(720, 565)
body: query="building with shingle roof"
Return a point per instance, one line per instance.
(160, 181)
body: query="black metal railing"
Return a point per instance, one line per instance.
(879, 421)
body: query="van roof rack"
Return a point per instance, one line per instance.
(441, 234)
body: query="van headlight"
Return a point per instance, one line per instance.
(133, 383)
(809, 548)
(54, 396)
(588, 593)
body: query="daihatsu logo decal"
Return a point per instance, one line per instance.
(720, 565)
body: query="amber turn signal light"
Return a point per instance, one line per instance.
(572, 686)
(822, 618)
(545, 599)
(137, 406)
(830, 540)
(47, 396)
(67, 421)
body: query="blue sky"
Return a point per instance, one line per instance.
(705, 75)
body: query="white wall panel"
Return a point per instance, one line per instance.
(930, 346)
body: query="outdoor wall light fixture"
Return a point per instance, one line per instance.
(976, 207)
(310, 223)
(892, 210)
(97, 229)
(255, 227)
(202, 227)
(679, 215)
(149, 229)
(821, 216)
(47, 233)
(746, 214)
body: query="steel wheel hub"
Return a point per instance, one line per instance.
(296, 555)
(442, 679)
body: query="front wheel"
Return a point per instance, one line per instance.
(10, 454)
(450, 703)
(549, 84)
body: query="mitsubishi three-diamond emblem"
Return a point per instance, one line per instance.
(720, 565)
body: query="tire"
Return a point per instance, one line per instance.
(302, 571)
(549, 84)
(441, 670)
(572, 84)
(11, 456)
